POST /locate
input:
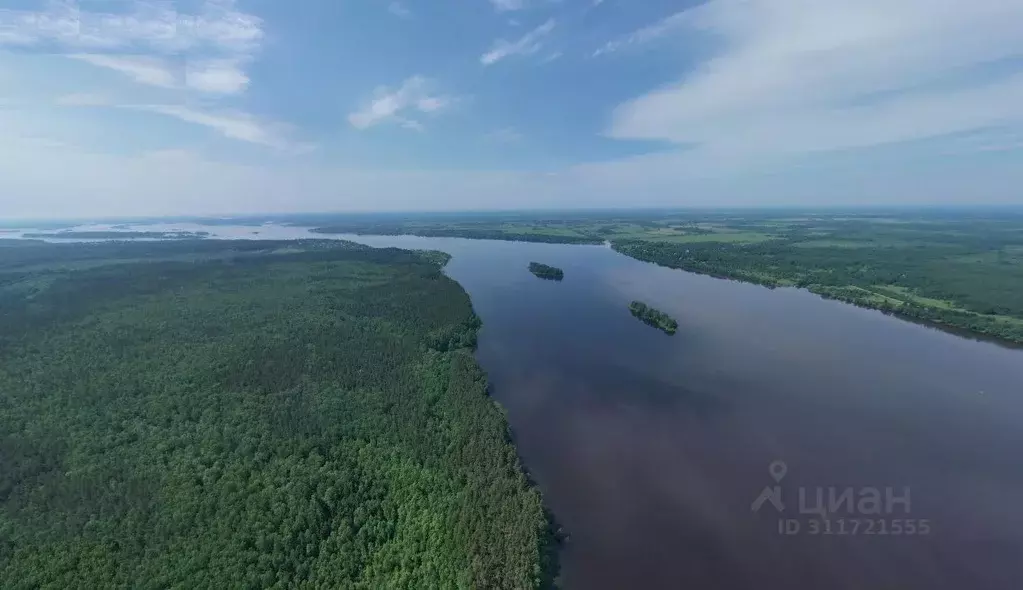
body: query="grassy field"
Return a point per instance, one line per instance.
(905, 295)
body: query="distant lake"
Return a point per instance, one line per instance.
(651, 449)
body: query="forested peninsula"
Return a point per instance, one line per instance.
(252, 415)
(653, 317)
(549, 273)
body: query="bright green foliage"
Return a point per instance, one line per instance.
(262, 415)
(543, 271)
(653, 317)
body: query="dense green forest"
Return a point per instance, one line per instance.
(653, 317)
(209, 414)
(549, 273)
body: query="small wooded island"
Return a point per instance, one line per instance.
(543, 271)
(653, 317)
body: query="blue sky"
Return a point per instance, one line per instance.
(113, 107)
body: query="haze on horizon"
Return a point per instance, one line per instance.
(219, 107)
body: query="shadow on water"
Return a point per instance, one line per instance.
(625, 386)
(557, 536)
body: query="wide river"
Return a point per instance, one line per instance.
(651, 450)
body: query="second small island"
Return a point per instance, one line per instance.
(543, 271)
(653, 317)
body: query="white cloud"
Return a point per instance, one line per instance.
(234, 125)
(528, 44)
(218, 27)
(206, 76)
(157, 44)
(150, 42)
(143, 69)
(210, 76)
(399, 10)
(508, 5)
(217, 76)
(795, 77)
(646, 34)
(414, 95)
(431, 104)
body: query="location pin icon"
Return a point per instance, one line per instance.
(778, 469)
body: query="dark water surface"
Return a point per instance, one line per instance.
(650, 449)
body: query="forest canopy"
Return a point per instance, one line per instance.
(546, 272)
(251, 415)
(653, 317)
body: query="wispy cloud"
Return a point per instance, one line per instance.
(205, 52)
(217, 27)
(646, 34)
(399, 10)
(151, 43)
(415, 95)
(210, 76)
(143, 69)
(528, 44)
(232, 124)
(216, 76)
(793, 77)
(508, 5)
(552, 57)
(229, 123)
